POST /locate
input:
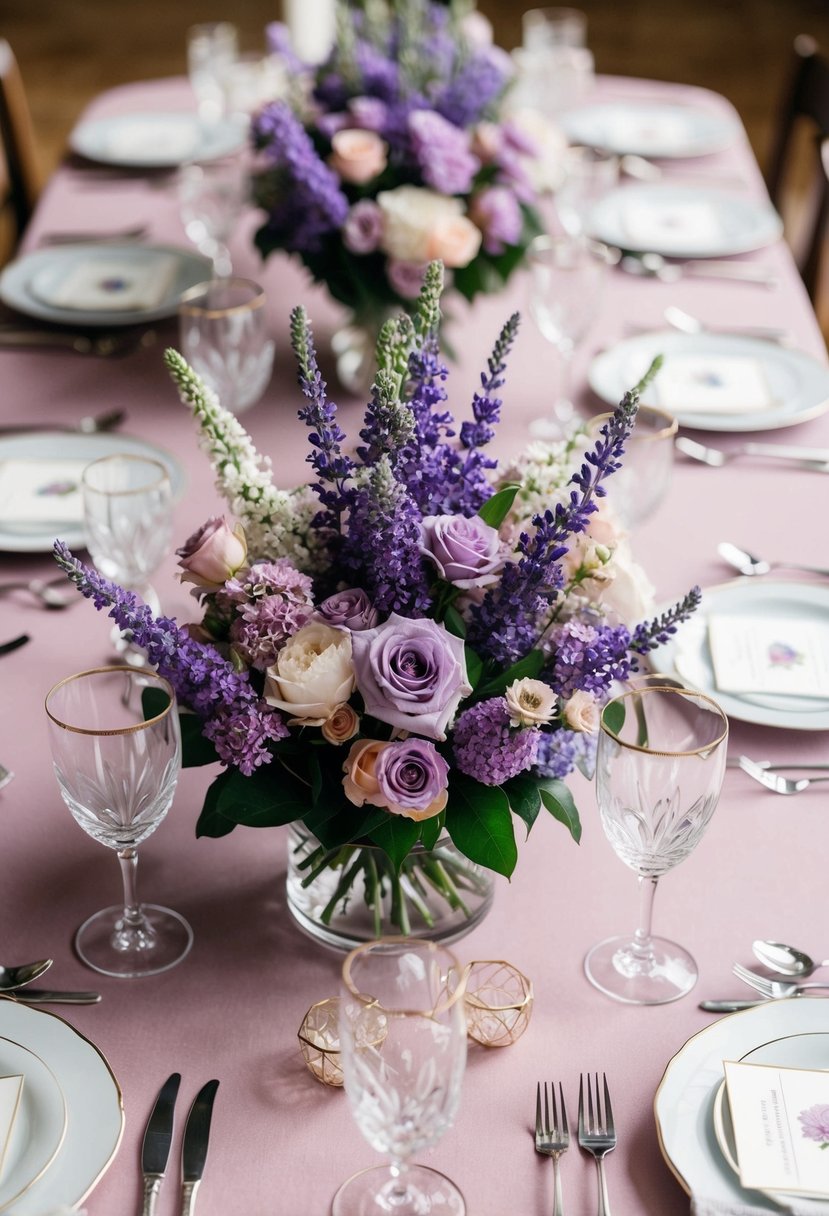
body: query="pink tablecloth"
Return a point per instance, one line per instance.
(282, 1143)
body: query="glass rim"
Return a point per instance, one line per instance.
(164, 473)
(119, 730)
(563, 12)
(371, 1002)
(655, 751)
(189, 308)
(669, 428)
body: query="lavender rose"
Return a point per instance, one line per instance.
(350, 609)
(411, 674)
(212, 554)
(467, 552)
(412, 777)
(363, 227)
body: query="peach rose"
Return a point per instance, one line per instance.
(358, 155)
(341, 726)
(581, 712)
(360, 783)
(456, 241)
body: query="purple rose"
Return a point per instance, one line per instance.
(406, 278)
(413, 778)
(411, 674)
(442, 152)
(467, 552)
(350, 609)
(363, 227)
(498, 215)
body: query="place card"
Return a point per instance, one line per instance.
(10, 1090)
(691, 226)
(107, 283)
(712, 384)
(36, 492)
(784, 655)
(780, 1118)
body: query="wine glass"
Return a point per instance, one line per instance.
(116, 750)
(659, 769)
(211, 196)
(403, 1047)
(127, 501)
(589, 174)
(566, 284)
(224, 337)
(212, 48)
(639, 486)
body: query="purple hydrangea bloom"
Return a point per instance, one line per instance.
(559, 752)
(442, 152)
(487, 748)
(497, 213)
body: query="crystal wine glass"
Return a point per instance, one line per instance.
(223, 326)
(403, 1047)
(212, 49)
(116, 750)
(659, 771)
(127, 503)
(567, 280)
(642, 482)
(211, 197)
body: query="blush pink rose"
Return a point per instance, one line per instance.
(358, 156)
(212, 554)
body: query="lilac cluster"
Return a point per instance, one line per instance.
(473, 90)
(442, 152)
(269, 601)
(302, 195)
(588, 657)
(560, 751)
(203, 681)
(486, 747)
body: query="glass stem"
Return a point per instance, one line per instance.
(399, 1193)
(564, 405)
(133, 916)
(642, 937)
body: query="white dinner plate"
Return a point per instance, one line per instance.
(53, 264)
(687, 653)
(155, 139)
(21, 537)
(684, 1101)
(39, 1126)
(94, 1104)
(798, 385)
(810, 1051)
(682, 221)
(649, 129)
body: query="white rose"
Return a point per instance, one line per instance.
(411, 216)
(530, 703)
(581, 712)
(312, 675)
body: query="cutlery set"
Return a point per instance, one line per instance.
(786, 961)
(15, 981)
(815, 460)
(596, 1132)
(158, 1137)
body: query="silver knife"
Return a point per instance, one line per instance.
(45, 996)
(194, 1148)
(731, 1006)
(156, 1147)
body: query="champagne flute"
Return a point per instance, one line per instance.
(403, 1048)
(659, 770)
(566, 284)
(116, 750)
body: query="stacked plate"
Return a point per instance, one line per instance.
(70, 1119)
(691, 1105)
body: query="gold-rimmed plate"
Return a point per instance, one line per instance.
(39, 1126)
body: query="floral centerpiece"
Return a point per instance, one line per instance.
(396, 151)
(411, 650)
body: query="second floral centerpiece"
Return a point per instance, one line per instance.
(403, 658)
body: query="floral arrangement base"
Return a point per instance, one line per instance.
(438, 894)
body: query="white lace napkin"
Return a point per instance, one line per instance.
(139, 280)
(718, 1207)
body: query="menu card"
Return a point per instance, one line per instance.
(10, 1091)
(41, 492)
(712, 384)
(788, 656)
(780, 1118)
(111, 283)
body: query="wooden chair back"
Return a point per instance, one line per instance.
(19, 175)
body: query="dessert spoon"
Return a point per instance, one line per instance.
(750, 565)
(12, 978)
(777, 956)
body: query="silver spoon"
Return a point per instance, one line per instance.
(90, 424)
(815, 460)
(688, 324)
(12, 978)
(46, 592)
(655, 266)
(750, 565)
(777, 956)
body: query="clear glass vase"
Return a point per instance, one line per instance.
(355, 896)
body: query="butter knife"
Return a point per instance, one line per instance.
(194, 1148)
(156, 1147)
(731, 1006)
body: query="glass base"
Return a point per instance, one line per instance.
(620, 968)
(418, 1191)
(107, 945)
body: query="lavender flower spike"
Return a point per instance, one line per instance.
(655, 633)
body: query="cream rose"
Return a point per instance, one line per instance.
(360, 783)
(312, 676)
(581, 712)
(358, 155)
(530, 703)
(341, 726)
(420, 225)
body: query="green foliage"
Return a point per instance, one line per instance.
(524, 798)
(558, 800)
(525, 669)
(479, 821)
(497, 508)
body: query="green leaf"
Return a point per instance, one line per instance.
(335, 823)
(154, 701)
(195, 749)
(454, 622)
(396, 837)
(211, 822)
(430, 830)
(559, 802)
(495, 509)
(269, 797)
(474, 666)
(613, 716)
(524, 798)
(526, 668)
(479, 821)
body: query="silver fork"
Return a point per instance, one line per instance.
(775, 781)
(775, 990)
(552, 1138)
(597, 1133)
